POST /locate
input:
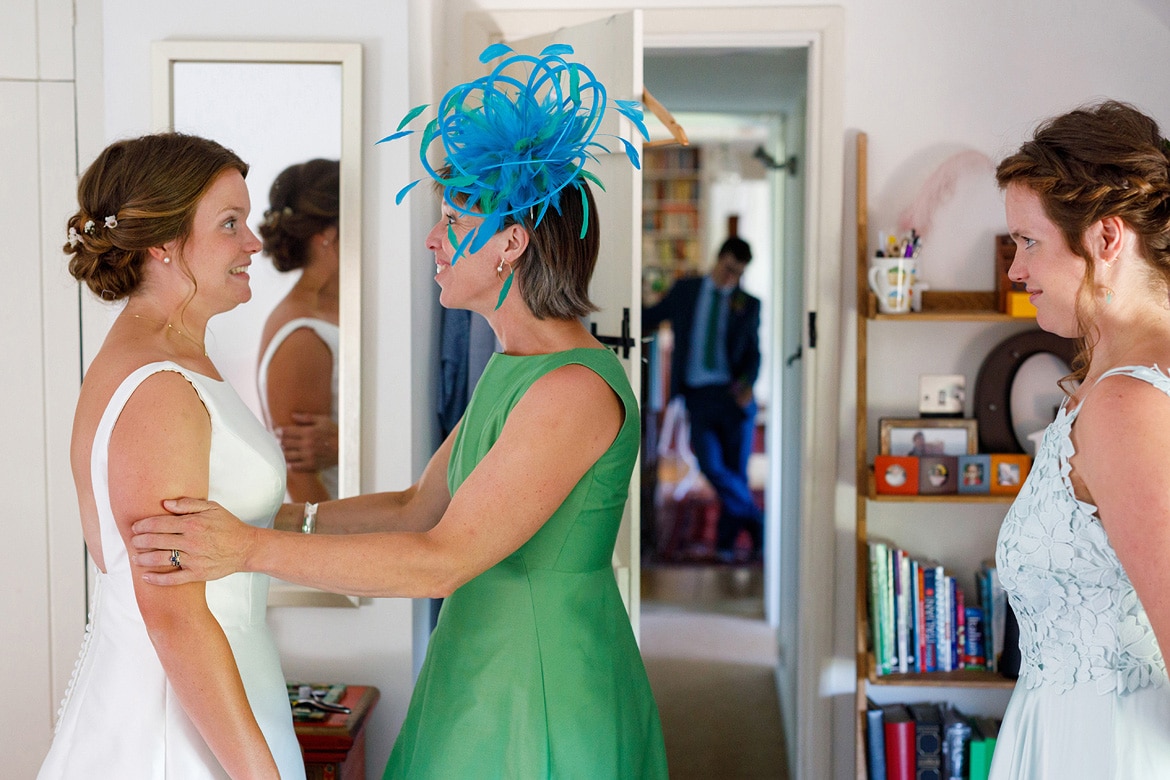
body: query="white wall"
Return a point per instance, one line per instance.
(923, 79)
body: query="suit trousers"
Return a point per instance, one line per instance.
(721, 437)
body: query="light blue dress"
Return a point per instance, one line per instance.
(1093, 699)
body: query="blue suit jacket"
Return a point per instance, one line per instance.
(743, 331)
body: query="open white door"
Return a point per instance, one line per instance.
(612, 49)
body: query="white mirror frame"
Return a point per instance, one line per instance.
(164, 55)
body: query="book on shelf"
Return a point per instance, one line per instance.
(983, 735)
(901, 754)
(875, 742)
(993, 600)
(927, 740)
(956, 744)
(973, 657)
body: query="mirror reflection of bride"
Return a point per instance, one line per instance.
(297, 373)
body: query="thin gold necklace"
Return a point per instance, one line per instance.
(190, 338)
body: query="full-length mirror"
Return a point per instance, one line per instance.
(292, 111)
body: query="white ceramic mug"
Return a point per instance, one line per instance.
(892, 279)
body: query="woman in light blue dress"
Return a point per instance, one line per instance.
(1084, 551)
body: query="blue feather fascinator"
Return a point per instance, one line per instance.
(516, 139)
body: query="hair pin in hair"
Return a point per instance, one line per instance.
(88, 227)
(512, 142)
(111, 221)
(74, 237)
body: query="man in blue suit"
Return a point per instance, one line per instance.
(715, 362)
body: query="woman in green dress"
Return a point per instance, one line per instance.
(533, 669)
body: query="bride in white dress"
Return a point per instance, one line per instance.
(172, 682)
(1083, 551)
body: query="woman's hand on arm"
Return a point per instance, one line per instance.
(214, 543)
(1122, 440)
(555, 433)
(160, 446)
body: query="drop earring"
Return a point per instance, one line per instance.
(507, 282)
(1108, 295)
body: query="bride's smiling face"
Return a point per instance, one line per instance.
(220, 246)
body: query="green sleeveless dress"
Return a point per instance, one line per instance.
(532, 670)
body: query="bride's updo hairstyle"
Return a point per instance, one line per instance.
(1102, 160)
(139, 193)
(303, 201)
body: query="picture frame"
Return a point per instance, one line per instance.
(1008, 472)
(974, 473)
(938, 474)
(895, 475)
(919, 436)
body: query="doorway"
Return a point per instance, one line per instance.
(744, 112)
(704, 611)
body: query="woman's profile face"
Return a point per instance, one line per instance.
(1050, 271)
(219, 249)
(472, 281)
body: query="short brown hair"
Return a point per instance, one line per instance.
(1101, 160)
(151, 186)
(303, 200)
(554, 272)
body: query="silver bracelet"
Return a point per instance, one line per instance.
(309, 524)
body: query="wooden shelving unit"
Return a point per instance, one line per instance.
(672, 217)
(937, 306)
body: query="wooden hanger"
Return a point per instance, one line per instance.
(664, 116)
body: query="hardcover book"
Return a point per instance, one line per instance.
(927, 741)
(900, 735)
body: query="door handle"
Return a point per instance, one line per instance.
(622, 342)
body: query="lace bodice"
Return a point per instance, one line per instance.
(1079, 616)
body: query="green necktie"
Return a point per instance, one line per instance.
(710, 356)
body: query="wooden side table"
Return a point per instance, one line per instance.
(335, 748)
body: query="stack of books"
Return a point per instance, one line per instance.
(922, 621)
(927, 741)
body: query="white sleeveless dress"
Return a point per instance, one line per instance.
(1093, 699)
(120, 717)
(331, 335)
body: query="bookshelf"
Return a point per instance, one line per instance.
(922, 521)
(672, 217)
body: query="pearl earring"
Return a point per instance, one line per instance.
(166, 259)
(500, 267)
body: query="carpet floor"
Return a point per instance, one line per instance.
(711, 661)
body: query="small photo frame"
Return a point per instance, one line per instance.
(937, 474)
(974, 474)
(1008, 472)
(921, 436)
(941, 395)
(895, 475)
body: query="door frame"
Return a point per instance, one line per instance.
(822, 30)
